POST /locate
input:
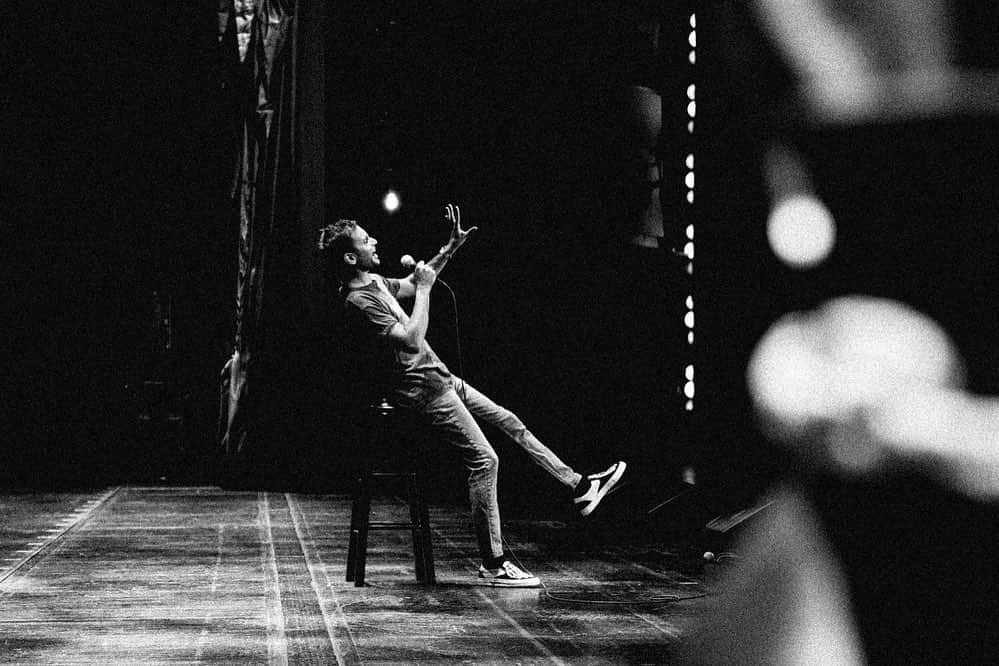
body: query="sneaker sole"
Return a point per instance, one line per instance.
(606, 490)
(526, 582)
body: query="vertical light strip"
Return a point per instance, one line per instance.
(688, 247)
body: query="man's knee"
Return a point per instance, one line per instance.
(491, 459)
(485, 462)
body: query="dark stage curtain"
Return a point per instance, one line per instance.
(253, 399)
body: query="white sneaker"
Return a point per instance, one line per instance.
(507, 575)
(600, 484)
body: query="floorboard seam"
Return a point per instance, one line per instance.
(277, 641)
(641, 616)
(316, 570)
(214, 586)
(503, 614)
(45, 547)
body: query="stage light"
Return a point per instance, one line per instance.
(801, 231)
(690, 127)
(688, 250)
(692, 109)
(688, 372)
(690, 302)
(689, 406)
(690, 91)
(693, 20)
(391, 201)
(692, 39)
(688, 390)
(692, 58)
(690, 231)
(689, 178)
(690, 337)
(688, 319)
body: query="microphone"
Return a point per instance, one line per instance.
(407, 262)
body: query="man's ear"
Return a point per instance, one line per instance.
(350, 258)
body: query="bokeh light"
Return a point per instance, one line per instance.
(391, 201)
(801, 231)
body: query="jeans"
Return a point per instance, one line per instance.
(451, 416)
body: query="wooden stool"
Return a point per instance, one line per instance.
(390, 433)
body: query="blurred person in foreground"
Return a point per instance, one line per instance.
(878, 548)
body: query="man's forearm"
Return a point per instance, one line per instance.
(443, 256)
(419, 319)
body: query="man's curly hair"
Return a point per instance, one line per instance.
(334, 241)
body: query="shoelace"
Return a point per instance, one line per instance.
(512, 571)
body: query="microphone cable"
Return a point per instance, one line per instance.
(408, 262)
(457, 338)
(655, 600)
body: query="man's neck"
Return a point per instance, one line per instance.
(362, 279)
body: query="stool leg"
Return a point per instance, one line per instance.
(412, 495)
(361, 555)
(355, 517)
(426, 542)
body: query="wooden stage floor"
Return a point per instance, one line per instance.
(195, 575)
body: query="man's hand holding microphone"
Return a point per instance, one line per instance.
(423, 276)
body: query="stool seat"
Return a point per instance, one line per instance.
(388, 432)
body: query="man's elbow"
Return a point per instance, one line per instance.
(408, 343)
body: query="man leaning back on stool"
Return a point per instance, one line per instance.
(417, 380)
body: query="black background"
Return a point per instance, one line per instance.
(115, 187)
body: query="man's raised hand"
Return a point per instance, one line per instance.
(452, 213)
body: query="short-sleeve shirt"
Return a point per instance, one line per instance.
(410, 378)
